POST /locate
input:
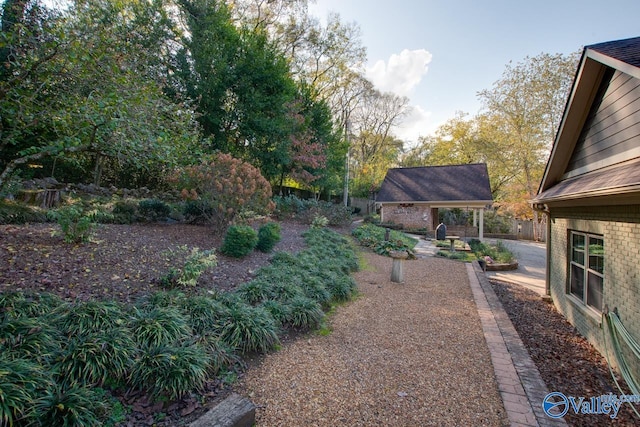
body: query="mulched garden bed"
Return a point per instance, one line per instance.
(126, 262)
(567, 362)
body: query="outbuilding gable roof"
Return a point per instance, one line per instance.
(458, 183)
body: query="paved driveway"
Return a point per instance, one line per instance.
(532, 264)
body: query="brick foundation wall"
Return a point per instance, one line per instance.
(410, 215)
(620, 228)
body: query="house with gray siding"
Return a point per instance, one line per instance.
(412, 196)
(591, 192)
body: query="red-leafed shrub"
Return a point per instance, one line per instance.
(225, 186)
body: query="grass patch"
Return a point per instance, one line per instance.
(457, 256)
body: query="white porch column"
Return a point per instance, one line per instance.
(481, 225)
(475, 217)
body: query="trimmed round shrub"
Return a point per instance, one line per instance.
(268, 236)
(239, 241)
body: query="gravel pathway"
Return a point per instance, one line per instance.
(399, 355)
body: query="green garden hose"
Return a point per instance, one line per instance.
(616, 331)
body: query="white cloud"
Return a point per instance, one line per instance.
(416, 124)
(401, 73)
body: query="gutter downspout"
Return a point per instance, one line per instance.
(544, 209)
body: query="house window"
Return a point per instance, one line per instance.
(587, 268)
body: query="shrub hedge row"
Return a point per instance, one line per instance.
(61, 363)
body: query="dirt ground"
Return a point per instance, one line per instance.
(121, 262)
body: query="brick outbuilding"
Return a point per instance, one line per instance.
(412, 196)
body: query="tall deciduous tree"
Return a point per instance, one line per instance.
(528, 102)
(240, 84)
(84, 93)
(374, 148)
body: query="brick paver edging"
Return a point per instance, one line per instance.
(519, 381)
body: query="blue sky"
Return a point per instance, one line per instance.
(441, 53)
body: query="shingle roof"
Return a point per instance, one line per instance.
(436, 184)
(615, 179)
(627, 50)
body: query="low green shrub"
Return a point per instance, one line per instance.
(254, 291)
(249, 329)
(153, 210)
(75, 224)
(70, 405)
(97, 358)
(343, 288)
(304, 313)
(197, 211)
(239, 241)
(170, 371)
(205, 314)
(268, 236)
(19, 304)
(319, 221)
(458, 255)
(21, 382)
(170, 298)
(125, 212)
(290, 206)
(30, 337)
(498, 252)
(284, 259)
(315, 289)
(221, 356)
(279, 310)
(89, 317)
(308, 209)
(160, 326)
(373, 237)
(196, 263)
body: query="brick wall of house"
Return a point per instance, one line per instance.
(620, 228)
(410, 215)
